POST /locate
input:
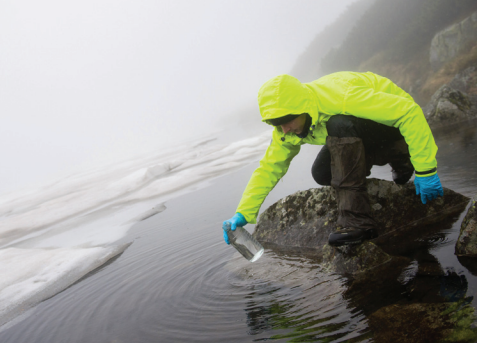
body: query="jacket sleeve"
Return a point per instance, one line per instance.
(273, 167)
(398, 111)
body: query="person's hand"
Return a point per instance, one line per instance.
(429, 187)
(237, 220)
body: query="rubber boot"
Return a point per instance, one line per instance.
(348, 178)
(400, 162)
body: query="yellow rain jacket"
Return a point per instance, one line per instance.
(363, 95)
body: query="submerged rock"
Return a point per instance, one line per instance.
(424, 322)
(467, 243)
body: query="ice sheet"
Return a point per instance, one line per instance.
(32, 275)
(52, 236)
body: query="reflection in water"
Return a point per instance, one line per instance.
(299, 304)
(454, 287)
(334, 310)
(301, 328)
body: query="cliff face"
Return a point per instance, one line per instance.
(453, 41)
(397, 30)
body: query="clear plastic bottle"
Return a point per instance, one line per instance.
(245, 244)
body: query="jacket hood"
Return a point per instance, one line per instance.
(283, 95)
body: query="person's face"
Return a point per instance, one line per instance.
(296, 125)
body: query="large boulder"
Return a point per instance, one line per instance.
(303, 221)
(453, 40)
(449, 105)
(306, 218)
(454, 102)
(467, 243)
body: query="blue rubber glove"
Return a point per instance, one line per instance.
(429, 187)
(237, 220)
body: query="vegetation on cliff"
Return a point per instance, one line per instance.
(393, 39)
(398, 29)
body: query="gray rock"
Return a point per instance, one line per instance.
(302, 222)
(453, 40)
(467, 243)
(350, 260)
(465, 81)
(305, 219)
(450, 105)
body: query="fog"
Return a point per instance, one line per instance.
(91, 81)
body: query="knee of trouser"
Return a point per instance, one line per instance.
(401, 163)
(321, 177)
(341, 126)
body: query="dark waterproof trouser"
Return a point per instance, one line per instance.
(353, 146)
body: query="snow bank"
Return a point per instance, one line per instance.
(32, 275)
(51, 237)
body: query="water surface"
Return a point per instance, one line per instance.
(179, 282)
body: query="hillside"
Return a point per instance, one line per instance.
(393, 39)
(307, 67)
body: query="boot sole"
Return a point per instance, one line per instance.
(339, 239)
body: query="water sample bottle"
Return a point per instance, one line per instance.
(245, 243)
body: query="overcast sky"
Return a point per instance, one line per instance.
(85, 80)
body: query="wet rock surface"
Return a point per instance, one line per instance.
(353, 259)
(306, 218)
(454, 102)
(467, 243)
(301, 220)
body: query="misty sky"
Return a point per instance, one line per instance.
(83, 81)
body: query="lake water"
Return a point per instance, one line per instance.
(179, 282)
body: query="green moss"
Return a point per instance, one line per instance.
(462, 315)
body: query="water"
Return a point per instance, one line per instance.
(175, 285)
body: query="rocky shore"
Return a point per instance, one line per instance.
(398, 262)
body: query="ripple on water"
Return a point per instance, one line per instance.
(290, 298)
(172, 293)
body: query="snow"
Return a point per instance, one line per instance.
(31, 275)
(52, 236)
